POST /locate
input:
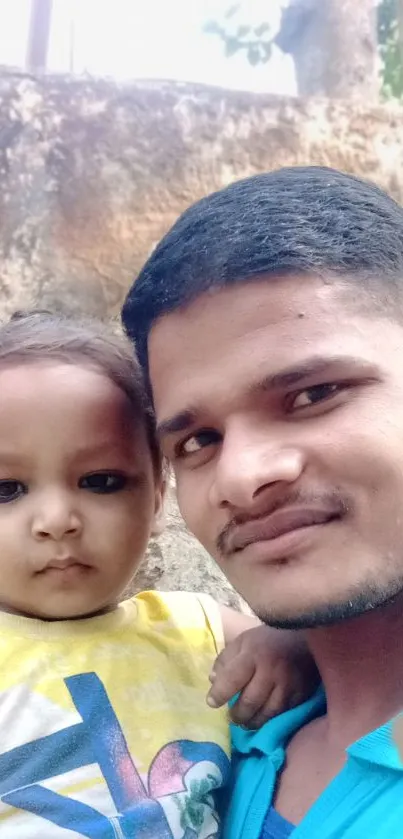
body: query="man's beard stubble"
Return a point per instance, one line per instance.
(370, 598)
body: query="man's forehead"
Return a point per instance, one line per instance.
(284, 312)
(263, 302)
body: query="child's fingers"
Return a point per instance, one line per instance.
(255, 696)
(258, 719)
(266, 713)
(272, 705)
(278, 702)
(228, 677)
(212, 674)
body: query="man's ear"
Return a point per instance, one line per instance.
(159, 511)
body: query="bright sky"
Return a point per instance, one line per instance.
(130, 39)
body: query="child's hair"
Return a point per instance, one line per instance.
(42, 335)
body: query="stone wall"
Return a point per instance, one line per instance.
(176, 561)
(93, 173)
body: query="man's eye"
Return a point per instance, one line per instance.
(199, 441)
(314, 395)
(10, 490)
(104, 483)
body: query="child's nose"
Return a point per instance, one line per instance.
(56, 520)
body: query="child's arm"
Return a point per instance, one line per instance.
(270, 668)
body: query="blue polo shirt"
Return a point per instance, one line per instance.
(275, 827)
(364, 801)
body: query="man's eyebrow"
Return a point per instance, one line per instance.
(310, 368)
(179, 422)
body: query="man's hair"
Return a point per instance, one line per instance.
(42, 336)
(302, 220)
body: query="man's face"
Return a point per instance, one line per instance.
(281, 409)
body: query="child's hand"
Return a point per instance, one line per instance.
(271, 669)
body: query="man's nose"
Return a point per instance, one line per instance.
(56, 518)
(250, 464)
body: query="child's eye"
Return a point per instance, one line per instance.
(10, 490)
(104, 483)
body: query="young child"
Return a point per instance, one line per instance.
(104, 727)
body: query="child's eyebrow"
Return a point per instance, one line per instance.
(101, 447)
(11, 457)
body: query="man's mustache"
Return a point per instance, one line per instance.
(333, 501)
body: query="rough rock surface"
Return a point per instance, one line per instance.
(176, 561)
(93, 173)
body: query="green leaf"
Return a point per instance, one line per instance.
(231, 46)
(254, 55)
(261, 29)
(242, 31)
(390, 49)
(266, 52)
(212, 28)
(232, 10)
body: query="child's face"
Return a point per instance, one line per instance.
(77, 490)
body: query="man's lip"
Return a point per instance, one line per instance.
(268, 528)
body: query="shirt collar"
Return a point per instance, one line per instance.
(276, 732)
(377, 747)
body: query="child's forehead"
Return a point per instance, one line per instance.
(78, 407)
(59, 383)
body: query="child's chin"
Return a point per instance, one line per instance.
(71, 611)
(78, 614)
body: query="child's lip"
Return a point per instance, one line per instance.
(63, 563)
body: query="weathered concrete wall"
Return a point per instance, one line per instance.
(92, 174)
(176, 561)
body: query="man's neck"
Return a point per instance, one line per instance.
(361, 665)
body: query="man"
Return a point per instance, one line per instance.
(269, 321)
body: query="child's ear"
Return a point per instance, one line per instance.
(159, 512)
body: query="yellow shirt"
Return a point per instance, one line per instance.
(104, 727)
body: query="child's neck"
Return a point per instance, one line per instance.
(11, 610)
